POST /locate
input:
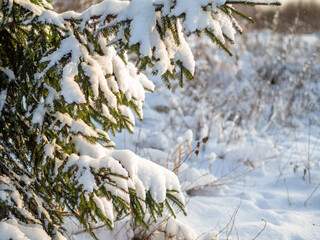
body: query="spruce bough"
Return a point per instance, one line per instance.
(66, 83)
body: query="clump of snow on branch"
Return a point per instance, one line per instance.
(143, 175)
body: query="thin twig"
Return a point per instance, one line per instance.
(85, 231)
(285, 183)
(264, 227)
(232, 219)
(305, 203)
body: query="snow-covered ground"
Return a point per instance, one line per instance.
(258, 175)
(273, 198)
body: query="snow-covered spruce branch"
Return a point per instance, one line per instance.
(67, 83)
(154, 29)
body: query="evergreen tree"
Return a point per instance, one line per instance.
(66, 82)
